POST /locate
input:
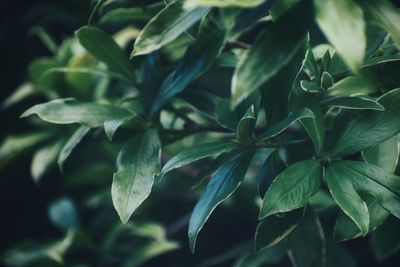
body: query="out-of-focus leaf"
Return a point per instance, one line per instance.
(23, 92)
(385, 241)
(222, 3)
(103, 47)
(63, 214)
(137, 164)
(44, 158)
(245, 127)
(166, 26)
(271, 168)
(281, 7)
(292, 188)
(125, 15)
(342, 22)
(198, 152)
(67, 111)
(221, 186)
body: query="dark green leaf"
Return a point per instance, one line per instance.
(275, 228)
(221, 186)
(271, 168)
(103, 47)
(351, 102)
(71, 144)
(245, 127)
(281, 7)
(198, 152)
(366, 128)
(326, 80)
(222, 3)
(352, 86)
(384, 155)
(311, 87)
(292, 188)
(137, 164)
(44, 159)
(347, 197)
(385, 241)
(166, 26)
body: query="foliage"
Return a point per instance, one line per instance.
(298, 101)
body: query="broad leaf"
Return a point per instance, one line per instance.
(271, 51)
(278, 128)
(385, 187)
(71, 144)
(67, 111)
(352, 86)
(366, 128)
(222, 3)
(197, 59)
(350, 102)
(292, 188)
(306, 245)
(137, 163)
(342, 22)
(384, 155)
(198, 152)
(103, 47)
(274, 229)
(221, 186)
(166, 26)
(347, 197)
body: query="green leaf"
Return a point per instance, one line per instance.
(125, 15)
(346, 229)
(271, 168)
(385, 241)
(307, 243)
(274, 229)
(352, 86)
(197, 59)
(385, 187)
(202, 101)
(14, 146)
(281, 7)
(311, 87)
(385, 14)
(292, 188)
(351, 102)
(350, 136)
(43, 159)
(245, 127)
(342, 22)
(384, 155)
(137, 164)
(23, 92)
(198, 152)
(271, 51)
(326, 80)
(71, 144)
(103, 47)
(222, 3)
(63, 214)
(222, 185)
(166, 26)
(272, 255)
(279, 127)
(347, 197)
(111, 126)
(68, 110)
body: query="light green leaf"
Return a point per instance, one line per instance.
(342, 22)
(44, 158)
(386, 15)
(222, 3)
(198, 152)
(68, 110)
(137, 164)
(385, 187)
(352, 86)
(366, 128)
(384, 155)
(347, 197)
(221, 186)
(197, 59)
(306, 245)
(274, 229)
(292, 188)
(166, 26)
(104, 48)
(271, 51)
(351, 102)
(71, 144)
(279, 127)
(14, 146)
(245, 127)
